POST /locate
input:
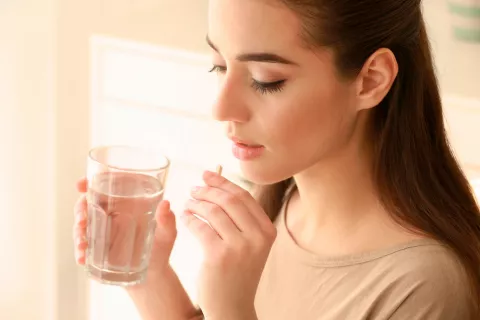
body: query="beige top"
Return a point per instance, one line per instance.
(420, 280)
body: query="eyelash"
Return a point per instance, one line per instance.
(262, 87)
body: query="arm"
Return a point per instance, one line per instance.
(426, 309)
(170, 300)
(243, 314)
(163, 296)
(436, 300)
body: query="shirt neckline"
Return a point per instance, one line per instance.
(288, 243)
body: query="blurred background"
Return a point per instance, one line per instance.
(74, 74)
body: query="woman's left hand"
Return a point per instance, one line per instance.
(236, 246)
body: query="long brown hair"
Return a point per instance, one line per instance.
(419, 180)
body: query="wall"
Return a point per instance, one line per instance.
(458, 73)
(44, 135)
(27, 95)
(151, 21)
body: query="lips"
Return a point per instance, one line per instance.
(245, 150)
(248, 145)
(245, 143)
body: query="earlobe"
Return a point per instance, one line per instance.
(376, 78)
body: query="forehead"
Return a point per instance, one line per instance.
(253, 25)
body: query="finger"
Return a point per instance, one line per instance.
(80, 250)
(124, 231)
(201, 230)
(164, 215)
(79, 232)
(80, 257)
(216, 217)
(214, 180)
(232, 205)
(164, 236)
(80, 219)
(82, 185)
(120, 240)
(80, 225)
(166, 230)
(81, 243)
(80, 206)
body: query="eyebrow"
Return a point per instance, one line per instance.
(256, 56)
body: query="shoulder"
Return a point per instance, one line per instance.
(429, 282)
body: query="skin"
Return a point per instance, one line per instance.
(161, 293)
(312, 113)
(319, 116)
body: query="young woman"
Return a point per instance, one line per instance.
(333, 107)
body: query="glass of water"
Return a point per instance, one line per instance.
(125, 185)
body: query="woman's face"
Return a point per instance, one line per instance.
(275, 93)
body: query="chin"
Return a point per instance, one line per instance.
(261, 174)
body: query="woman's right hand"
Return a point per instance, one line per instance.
(162, 294)
(165, 232)
(80, 223)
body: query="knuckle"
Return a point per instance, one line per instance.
(242, 193)
(80, 218)
(201, 191)
(205, 209)
(261, 244)
(79, 232)
(229, 254)
(264, 239)
(212, 209)
(81, 224)
(82, 245)
(230, 199)
(81, 204)
(271, 234)
(201, 226)
(241, 249)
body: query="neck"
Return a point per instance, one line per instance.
(337, 203)
(339, 191)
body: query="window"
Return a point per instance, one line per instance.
(138, 97)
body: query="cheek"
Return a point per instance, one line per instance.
(300, 132)
(318, 122)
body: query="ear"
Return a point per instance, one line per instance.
(376, 78)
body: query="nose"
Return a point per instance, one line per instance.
(231, 105)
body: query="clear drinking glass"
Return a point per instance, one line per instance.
(125, 185)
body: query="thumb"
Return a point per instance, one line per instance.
(165, 231)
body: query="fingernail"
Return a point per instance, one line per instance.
(81, 239)
(81, 258)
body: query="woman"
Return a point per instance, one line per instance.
(333, 107)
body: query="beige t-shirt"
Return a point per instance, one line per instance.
(419, 280)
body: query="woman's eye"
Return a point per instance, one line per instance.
(218, 69)
(262, 87)
(268, 87)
